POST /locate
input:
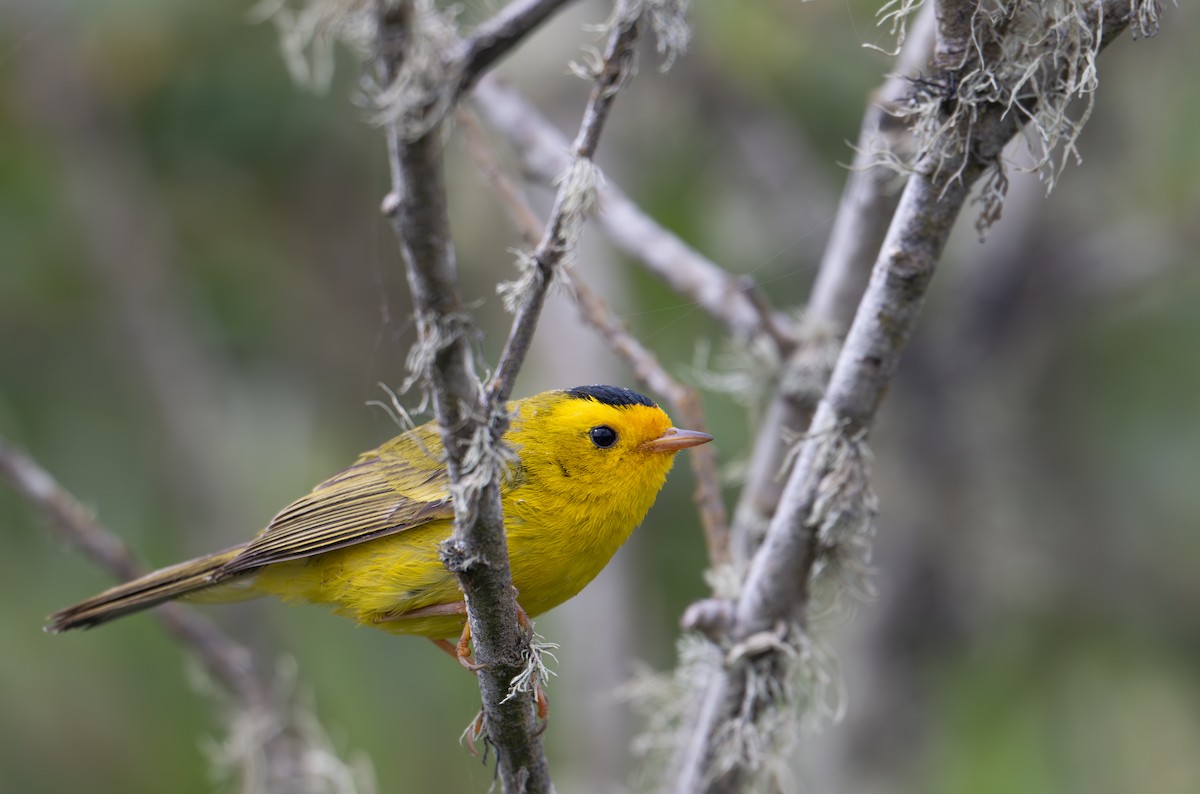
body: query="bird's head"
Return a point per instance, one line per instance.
(598, 442)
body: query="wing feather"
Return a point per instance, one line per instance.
(401, 485)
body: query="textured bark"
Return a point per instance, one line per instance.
(776, 592)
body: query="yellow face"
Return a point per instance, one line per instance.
(597, 443)
(592, 461)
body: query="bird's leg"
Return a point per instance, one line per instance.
(523, 619)
(462, 651)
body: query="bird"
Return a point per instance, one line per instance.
(589, 462)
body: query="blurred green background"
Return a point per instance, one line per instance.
(198, 299)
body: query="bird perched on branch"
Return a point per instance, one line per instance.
(589, 463)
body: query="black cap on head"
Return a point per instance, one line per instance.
(611, 395)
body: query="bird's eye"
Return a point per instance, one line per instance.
(603, 436)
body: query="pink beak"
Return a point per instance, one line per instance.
(673, 439)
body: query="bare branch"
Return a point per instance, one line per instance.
(872, 190)
(867, 205)
(777, 588)
(573, 202)
(477, 552)
(287, 750)
(512, 199)
(496, 37)
(868, 361)
(543, 151)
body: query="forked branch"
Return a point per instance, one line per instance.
(774, 599)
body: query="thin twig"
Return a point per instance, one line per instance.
(544, 155)
(769, 319)
(684, 401)
(282, 752)
(572, 201)
(496, 37)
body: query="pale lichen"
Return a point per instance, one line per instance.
(843, 518)
(745, 370)
(534, 674)
(666, 703)
(668, 21)
(248, 759)
(790, 686)
(577, 190)
(807, 372)
(400, 416)
(414, 91)
(309, 29)
(1031, 60)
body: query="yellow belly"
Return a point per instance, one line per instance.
(379, 582)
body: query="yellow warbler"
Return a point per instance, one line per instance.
(365, 542)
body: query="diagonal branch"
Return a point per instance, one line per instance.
(227, 662)
(284, 744)
(474, 420)
(867, 205)
(684, 401)
(572, 203)
(499, 35)
(777, 590)
(543, 152)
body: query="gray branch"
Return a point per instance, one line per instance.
(226, 662)
(776, 590)
(544, 154)
(499, 35)
(571, 203)
(684, 401)
(955, 32)
(867, 205)
(776, 593)
(473, 420)
(476, 552)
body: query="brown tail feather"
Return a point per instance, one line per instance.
(142, 593)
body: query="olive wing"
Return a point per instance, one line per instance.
(396, 487)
